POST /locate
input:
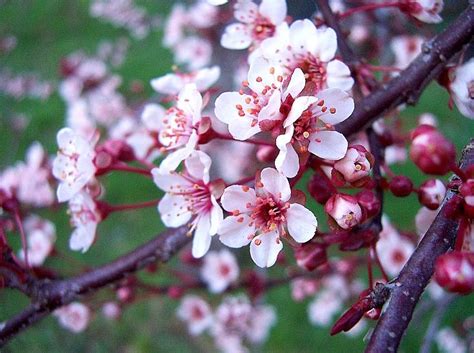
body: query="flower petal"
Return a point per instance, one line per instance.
(276, 184)
(216, 216)
(328, 145)
(299, 106)
(266, 252)
(174, 210)
(339, 75)
(296, 84)
(301, 223)
(190, 101)
(198, 165)
(202, 238)
(236, 36)
(326, 44)
(339, 105)
(237, 197)
(274, 10)
(236, 232)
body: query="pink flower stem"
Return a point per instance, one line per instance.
(130, 169)
(252, 141)
(368, 7)
(459, 172)
(23, 237)
(382, 68)
(133, 206)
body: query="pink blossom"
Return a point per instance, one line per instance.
(406, 48)
(189, 197)
(301, 45)
(74, 165)
(355, 165)
(220, 270)
(302, 288)
(425, 10)
(74, 317)
(173, 83)
(40, 238)
(196, 313)
(423, 220)
(256, 22)
(345, 210)
(84, 217)
(263, 216)
(431, 193)
(394, 251)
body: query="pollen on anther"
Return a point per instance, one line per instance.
(245, 188)
(332, 110)
(259, 79)
(258, 242)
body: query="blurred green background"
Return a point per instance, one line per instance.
(48, 30)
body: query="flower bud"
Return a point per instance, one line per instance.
(125, 294)
(266, 154)
(401, 186)
(111, 311)
(467, 191)
(345, 210)
(320, 187)
(355, 165)
(310, 256)
(369, 202)
(431, 151)
(431, 193)
(455, 272)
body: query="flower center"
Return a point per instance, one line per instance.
(269, 214)
(176, 128)
(314, 70)
(262, 29)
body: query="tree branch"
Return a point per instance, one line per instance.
(417, 272)
(47, 295)
(407, 87)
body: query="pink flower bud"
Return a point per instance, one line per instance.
(431, 193)
(467, 191)
(401, 186)
(355, 165)
(431, 151)
(345, 210)
(320, 187)
(125, 294)
(310, 256)
(111, 310)
(369, 203)
(455, 272)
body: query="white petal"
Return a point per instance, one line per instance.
(240, 127)
(338, 99)
(236, 197)
(271, 111)
(287, 161)
(301, 223)
(198, 165)
(235, 234)
(202, 238)
(190, 101)
(302, 35)
(328, 145)
(168, 84)
(216, 216)
(274, 10)
(326, 44)
(83, 237)
(236, 36)
(265, 254)
(169, 181)
(264, 73)
(174, 210)
(276, 184)
(64, 136)
(299, 106)
(296, 84)
(339, 75)
(174, 159)
(66, 192)
(152, 117)
(205, 78)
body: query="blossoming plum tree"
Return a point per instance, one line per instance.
(312, 127)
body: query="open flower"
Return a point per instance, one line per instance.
(196, 313)
(303, 46)
(177, 126)
(259, 109)
(173, 83)
(256, 22)
(219, 270)
(263, 216)
(74, 165)
(189, 197)
(309, 127)
(41, 235)
(74, 317)
(84, 217)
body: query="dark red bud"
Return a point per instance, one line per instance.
(310, 256)
(401, 186)
(369, 203)
(320, 188)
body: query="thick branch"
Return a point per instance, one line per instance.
(407, 87)
(416, 274)
(50, 295)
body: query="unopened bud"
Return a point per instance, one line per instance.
(467, 191)
(320, 187)
(369, 202)
(345, 210)
(455, 272)
(401, 186)
(431, 151)
(310, 256)
(431, 193)
(355, 165)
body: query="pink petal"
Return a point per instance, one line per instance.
(236, 232)
(301, 223)
(328, 145)
(276, 184)
(266, 252)
(237, 197)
